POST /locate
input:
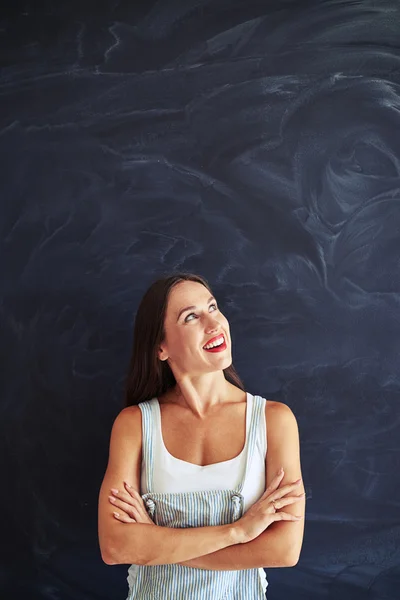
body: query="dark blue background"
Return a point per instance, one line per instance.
(258, 144)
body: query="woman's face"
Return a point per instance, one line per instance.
(192, 319)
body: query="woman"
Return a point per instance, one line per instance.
(191, 497)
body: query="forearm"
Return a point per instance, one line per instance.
(269, 549)
(146, 544)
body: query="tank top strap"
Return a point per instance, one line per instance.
(258, 408)
(147, 409)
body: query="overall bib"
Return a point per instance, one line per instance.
(194, 509)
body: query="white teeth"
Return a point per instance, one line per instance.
(217, 342)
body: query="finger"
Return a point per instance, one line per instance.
(124, 518)
(281, 502)
(290, 487)
(122, 495)
(128, 508)
(116, 500)
(124, 510)
(138, 516)
(137, 495)
(126, 499)
(274, 484)
(139, 505)
(130, 489)
(282, 516)
(137, 498)
(134, 498)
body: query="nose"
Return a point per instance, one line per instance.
(213, 326)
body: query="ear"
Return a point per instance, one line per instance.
(162, 354)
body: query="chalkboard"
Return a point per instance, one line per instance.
(257, 144)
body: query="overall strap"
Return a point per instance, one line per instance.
(147, 441)
(258, 407)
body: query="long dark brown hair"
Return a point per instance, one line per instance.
(147, 375)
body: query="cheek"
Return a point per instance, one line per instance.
(225, 323)
(186, 343)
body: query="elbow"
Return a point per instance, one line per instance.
(108, 551)
(291, 557)
(291, 560)
(112, 556)
(108, 556)
(123, 548)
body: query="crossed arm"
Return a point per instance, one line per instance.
(280, 544)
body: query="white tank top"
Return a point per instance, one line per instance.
(171, 474)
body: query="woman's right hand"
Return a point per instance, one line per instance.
(263, 512)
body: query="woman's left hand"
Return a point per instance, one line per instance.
(130, 506)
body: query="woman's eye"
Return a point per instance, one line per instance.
(190, 314)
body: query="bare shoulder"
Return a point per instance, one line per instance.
(283, 441)
(278, 415)
(124, 454)
(126, 439)
(128, 416)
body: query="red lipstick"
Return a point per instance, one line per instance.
(219, 348)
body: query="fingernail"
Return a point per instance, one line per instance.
(116, 514)
(127, 484)
(298, 480)
(111, 498)
(114, 490)
(280, 471)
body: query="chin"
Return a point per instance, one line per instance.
(226, 363)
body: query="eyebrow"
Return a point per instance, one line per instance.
(192, 307)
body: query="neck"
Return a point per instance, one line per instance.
(203, 395)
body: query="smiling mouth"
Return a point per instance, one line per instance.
(219, 347)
